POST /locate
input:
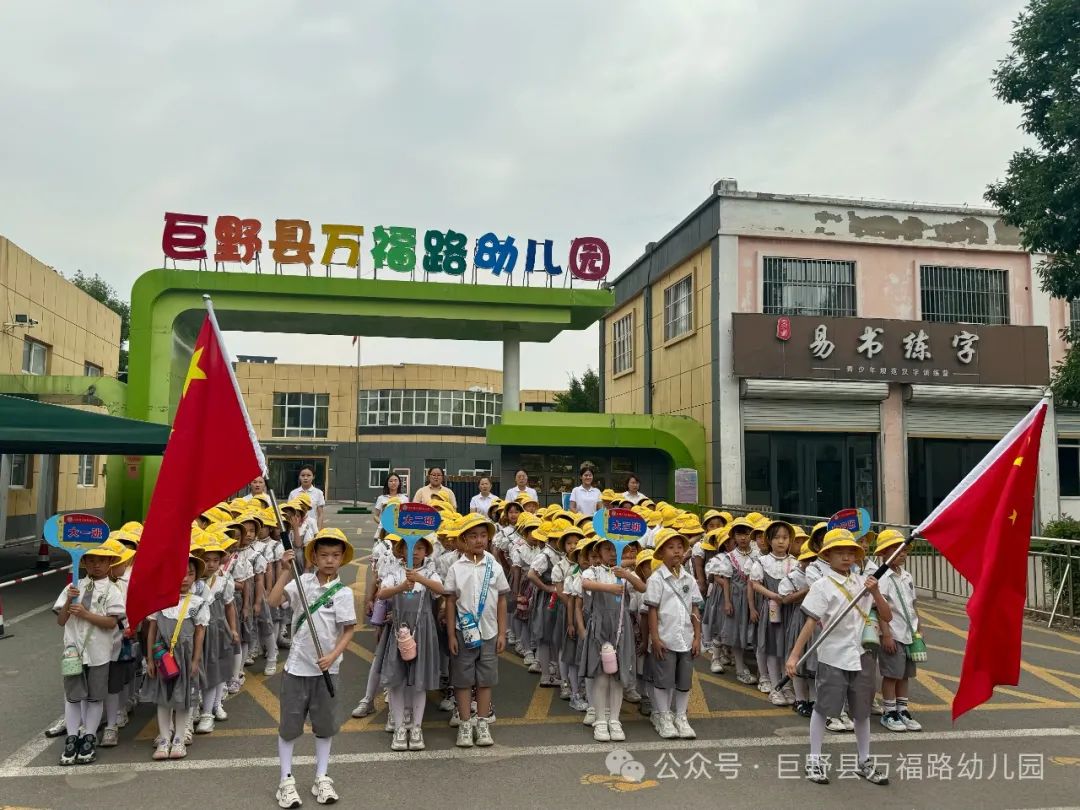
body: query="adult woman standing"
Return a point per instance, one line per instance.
(391, 489)
(481, 503)
(521, 485)
(633, 490)
(584, 498)
(257, 487)
(435, 478)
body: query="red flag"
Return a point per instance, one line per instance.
(983, 528)
(212, 452)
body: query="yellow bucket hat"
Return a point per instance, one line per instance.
(200, 566)
(608, 495)
(740, 523)
(526, 521)
(887, 539)
(807, 554)
(304, 500)
(524, 499)
(336, 535)
(559, 536)
(688, 525)
(840, 538)
(714, 538)
(790, 527)
(132, 527)
(666, 536)
(473, 519)
(643, 556)
(583, 547)
(710, 514)
(110, 548)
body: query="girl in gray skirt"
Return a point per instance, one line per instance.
(610, 631)
(544, 610)
(765, 575)
(734, 570)
(572, 540)
(409, 678)
(180, 629)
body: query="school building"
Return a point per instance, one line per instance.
(841, 352)
(48, 326)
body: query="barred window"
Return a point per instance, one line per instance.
(824, 287)
(378, 471)
(301, 416)
(964, 294)
(87, 470)
(428, 407)
(622, 339)
(1074, 317)
(679, 308)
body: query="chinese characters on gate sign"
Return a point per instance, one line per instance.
(916, 347)
(394, 247)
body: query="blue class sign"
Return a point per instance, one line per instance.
(619, 525)
(75, 532)
(856, 521)
(410, 519)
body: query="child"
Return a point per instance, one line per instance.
(765, 612)
(895, 665)
(476, 590)
(383, 562)
(674, 634)
(304, 695)
(408, 681)
(712, 617)
(263, 563)
(588, 558)
(732, 570)
(90, 614)
(222, 639)
(644, 565)
(122, 667)
(544, 613)
(845, 671)
(522, 555)
(793, 589)
(179, 632)
(572, 541)
(564, 541)
(609, 625)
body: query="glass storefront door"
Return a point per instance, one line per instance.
(935, 466)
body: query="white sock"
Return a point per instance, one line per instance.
(740, 659)
(564, 670)
(600, 694)
(682, 701)
(419, 701)
(180, 725)
(208, 701)
(165, 723)
(615, 698)
(661, 699)
(322, 755)
(543, 654)
(376, 667)
(92, 710)
(284, 752)
(112, 709)
(817, 735)
(812, 686)
(73, 714)
(396, 699)
(238, 664)
(572, 676)
(801, 689)
(219, 695)
(762, 663)
(269, 643)
(590, 692)
(774, 670)
(862, 739)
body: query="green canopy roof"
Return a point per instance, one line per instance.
(29, 426)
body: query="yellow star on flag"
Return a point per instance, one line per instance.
(1012, 517)
(1018, 461)
(193, 372)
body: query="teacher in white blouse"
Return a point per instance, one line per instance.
(585, 498)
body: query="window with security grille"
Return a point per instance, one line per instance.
(964, 294)
(824, 287)
(1074, 317)
(301, 415)
(622, 339)
(679, 308)
(87, 470)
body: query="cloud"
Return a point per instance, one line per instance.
(545, 121)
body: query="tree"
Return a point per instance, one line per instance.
(100, 290)
(582, 396)
(1041, 190)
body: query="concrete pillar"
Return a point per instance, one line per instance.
(5, 483)
(892, 459)
(1047, 502)
(727, 432)
(511, 383)
(46, 494)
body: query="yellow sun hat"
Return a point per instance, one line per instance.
(110, 548)
(840, 538)
(754, 517)
(526, 521)
(643, 556)
(472, 520)
(329, 534)
(887, 539)
(665, 536)
(714, 538)
(739, 523)
(688, 525)
(807, 554)
(608, 495)
(559, 536)
(133, 527)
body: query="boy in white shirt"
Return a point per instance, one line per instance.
(845, 671)
(304, 695)
(893, 661)
(479, 635)
(674, 602)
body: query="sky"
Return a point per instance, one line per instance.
(601, 118)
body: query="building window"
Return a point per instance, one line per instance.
(35, 357)
(482, 466)
(823, 287)
(87, 471)
(622, 339)
(22, 471)
(1074, 317)
(390, 407)
(1069, 469)
(679, 308)
(301, 416)
(91, 370)
(964, 294)
(378, 472)
(434, 462)
(538, 407)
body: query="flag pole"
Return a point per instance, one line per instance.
(286, 540)
(878, 574)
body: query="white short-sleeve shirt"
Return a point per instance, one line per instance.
(633, 497)
(842, 648)
(317, 500)
(775, 567)
(673, 595)
(329, 620)
(513, 492)
(585, 500)
(480, 504)
(96, 645)
(544, 561)
(794, 582)
(466, 580)
(899, 588)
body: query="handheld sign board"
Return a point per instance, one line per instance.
(620, 527)
(856, 521)
(76, 534)
(410, 522)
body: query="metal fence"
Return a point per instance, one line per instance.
(1051, 572)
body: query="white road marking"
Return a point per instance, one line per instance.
(16, 766)
(31, 613)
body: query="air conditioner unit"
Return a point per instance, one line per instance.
(22, 319)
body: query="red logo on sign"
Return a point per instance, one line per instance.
(783, 328)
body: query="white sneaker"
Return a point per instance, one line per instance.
(777, 698)
(455, 719)
(220, 714)
(578, 704)
(205, 724)
(665, 726)
(270, 668)
(745, 677)
(892, 722)
(189, 736)
(121, 718)
(632, 695)
(835, 725)
(877, 707)
(109, 738)
(590, 717)
(849, 724)
(530, 659)
(564, 691)
(789, 695)
(57, 729)
(178, 750)
(683, 729)
(764, 685)
(323, 790)
(615, 730)
(483, 733)
(600, 731)
(162, 750)
(716, 667)
(534, 667)
(401, 739)
(363, 708)
(445, 705)
(286, 793)
(910, 723)
(389, 729)
(416, 739)
(464, 735)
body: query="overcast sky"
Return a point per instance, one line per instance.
(569, 118)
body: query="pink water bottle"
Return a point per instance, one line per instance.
(609, 661)
(406, 644)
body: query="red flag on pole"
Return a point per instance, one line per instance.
(983, 528)
(212, 452)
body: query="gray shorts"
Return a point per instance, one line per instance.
(837, 687)
(475, 667)
(303, 698)
(895, 665)
(676, 671)
(93, 684)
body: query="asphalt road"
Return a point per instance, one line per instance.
(1022, 750)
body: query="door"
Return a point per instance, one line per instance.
(825, 475)
(285, 471)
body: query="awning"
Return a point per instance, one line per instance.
(28, 426)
